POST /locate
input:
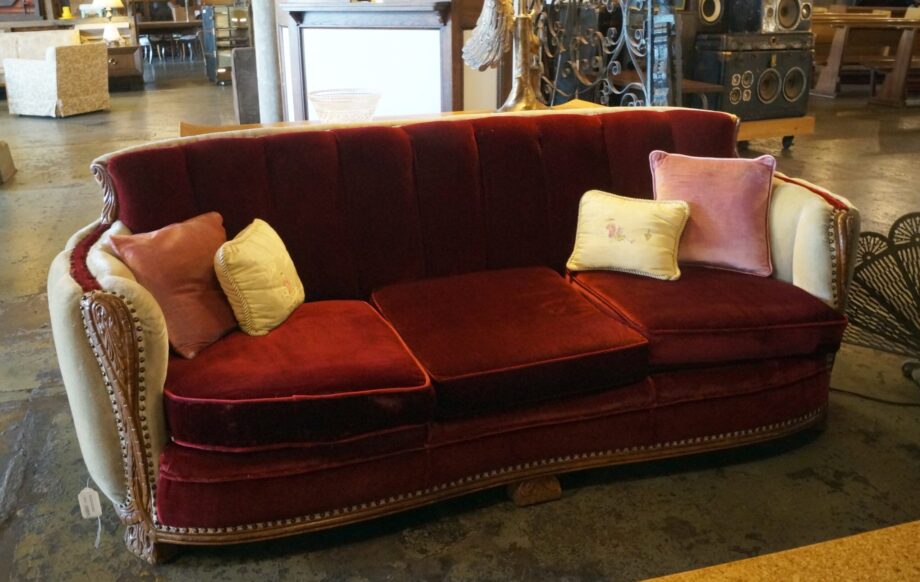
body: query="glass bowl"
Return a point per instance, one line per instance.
(344, 105)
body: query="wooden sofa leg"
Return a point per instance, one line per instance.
(535, 491)
(142, 543)
(820, 424)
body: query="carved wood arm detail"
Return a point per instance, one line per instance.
(109, 201)
(845, 239)
(115, 335)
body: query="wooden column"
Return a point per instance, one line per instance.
(451, 73)
(293, 58)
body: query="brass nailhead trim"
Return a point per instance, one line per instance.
(481, 476)
(141, 404)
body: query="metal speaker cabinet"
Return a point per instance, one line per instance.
(761, 16)
(757, 84)
(755, 42)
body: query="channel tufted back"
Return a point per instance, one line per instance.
(363, 207)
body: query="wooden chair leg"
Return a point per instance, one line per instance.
(535, 491)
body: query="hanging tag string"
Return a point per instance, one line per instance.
(98, 526)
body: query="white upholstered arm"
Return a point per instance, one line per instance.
(813, 236)
(100, 381)
(31, 86)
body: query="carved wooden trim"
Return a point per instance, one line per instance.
(737, 135)
(100, 171)
(535, 491)
(114, 334)
(845, 237)
(503, 476)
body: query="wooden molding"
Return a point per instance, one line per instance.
(535, 491)
(115, 337)
(100, 171)
(845, 235)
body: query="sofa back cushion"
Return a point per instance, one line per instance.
(8, 47)
(359, 208)
(35, 44)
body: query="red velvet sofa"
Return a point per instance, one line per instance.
(443, 348)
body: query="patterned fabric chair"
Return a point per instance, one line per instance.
(34, 43)
(70, 80)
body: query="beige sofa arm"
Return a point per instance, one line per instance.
(89, 402)
(813, 237)
(113, 350)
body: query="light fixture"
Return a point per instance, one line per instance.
(110, 33)
(106, 7)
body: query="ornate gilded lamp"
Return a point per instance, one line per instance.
(501, 25)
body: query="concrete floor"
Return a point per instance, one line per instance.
(621, 523)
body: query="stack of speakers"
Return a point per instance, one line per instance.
(760, 52)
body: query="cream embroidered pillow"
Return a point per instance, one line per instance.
(259, 278)
(616, 233)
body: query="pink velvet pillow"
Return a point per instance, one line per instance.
(176, 265)
(729, 199)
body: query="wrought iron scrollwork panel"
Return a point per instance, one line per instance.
(884, 305)
(613, 52)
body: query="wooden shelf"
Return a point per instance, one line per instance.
(783, 127)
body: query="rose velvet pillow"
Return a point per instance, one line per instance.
(729, 199)
(176, 264)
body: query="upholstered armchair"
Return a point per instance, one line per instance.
(68, 81)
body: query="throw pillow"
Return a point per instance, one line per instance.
(729, 199)
(617, 233)
(259, 278)
(175, 264)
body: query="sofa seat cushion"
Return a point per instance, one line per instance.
(496, 339)
(716, 316)
(333, 370)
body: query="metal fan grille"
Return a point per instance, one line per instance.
(884, 303)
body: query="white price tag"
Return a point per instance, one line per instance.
(89, 503)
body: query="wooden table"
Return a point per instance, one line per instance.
(125, 67)
(168, 26)
(894, 88)
(785, 127)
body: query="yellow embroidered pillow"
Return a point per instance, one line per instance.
(616, 233)
(259, 278)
